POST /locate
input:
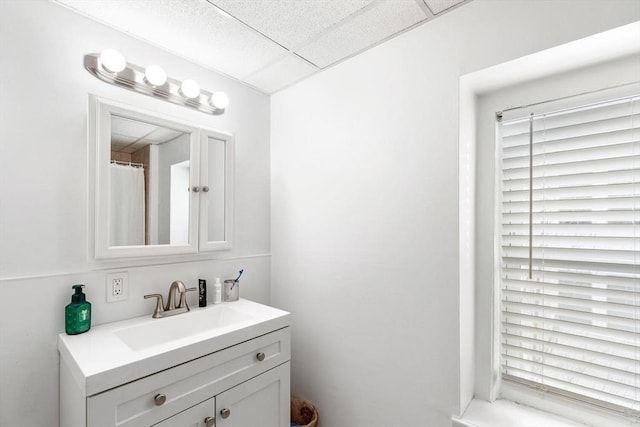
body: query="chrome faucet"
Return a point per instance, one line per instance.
(176, 290)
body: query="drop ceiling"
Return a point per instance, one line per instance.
(267, 44)
(128, 136)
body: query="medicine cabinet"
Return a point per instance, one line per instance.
(162, 186)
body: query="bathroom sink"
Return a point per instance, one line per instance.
(182, 326)
(110, 354)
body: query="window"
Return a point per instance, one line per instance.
(569, 234)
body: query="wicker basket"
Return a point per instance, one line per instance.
(303, 413)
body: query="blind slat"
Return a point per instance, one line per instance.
(575, 242)
(540, 266)
(588, 204)
(578, 192)
(599, 127)
(596, 332)
(573, 179)
(563, 358)
(617, 257)
(593, 280)
(616, 311)
(573, 156)
(603, 164)
(583, 292)
(609, 352)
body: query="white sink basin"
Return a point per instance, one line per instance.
(181, 326)
(110, 354)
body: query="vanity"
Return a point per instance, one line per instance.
(223, 365)
(163, 187)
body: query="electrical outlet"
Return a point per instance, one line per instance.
(117, 286)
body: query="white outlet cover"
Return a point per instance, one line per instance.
(124, 276)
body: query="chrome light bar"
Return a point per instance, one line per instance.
(136, 78)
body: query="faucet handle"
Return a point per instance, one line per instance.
(159, 304)
(183, 298)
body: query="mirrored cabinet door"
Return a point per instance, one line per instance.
(149, 184)
(162, 186)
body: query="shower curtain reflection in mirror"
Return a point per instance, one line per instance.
(127, 215)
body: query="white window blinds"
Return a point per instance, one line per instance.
(570, 252)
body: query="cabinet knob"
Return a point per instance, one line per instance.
(209, 422)
(159, 399)
(195, 189)
(225, 412)
(260, 356)
(205, 189)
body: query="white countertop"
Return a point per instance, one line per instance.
(100, 360)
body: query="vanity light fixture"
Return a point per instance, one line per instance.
(111, 67)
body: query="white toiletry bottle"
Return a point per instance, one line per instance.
(217, 291)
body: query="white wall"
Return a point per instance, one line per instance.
(365, 210)
(44, 185)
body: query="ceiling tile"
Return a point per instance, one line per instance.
(372, 26)
(437, 6)
(288, 70)
(160, 135)
(189, 28)
(130, 128)
(291, 22)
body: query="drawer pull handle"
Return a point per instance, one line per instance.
(225, 412)
(159, 399)
(260, 356)
(209, 422)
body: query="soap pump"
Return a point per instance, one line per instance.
(77, 313)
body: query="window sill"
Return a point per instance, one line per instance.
(504, 413)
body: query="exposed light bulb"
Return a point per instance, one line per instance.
(155, 75)
(190, 89)
(219, 100)
(112, 60)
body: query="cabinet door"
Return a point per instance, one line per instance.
(196, 416)
(262, 401)
(216, 182)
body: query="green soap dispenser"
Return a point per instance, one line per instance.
(77, 314)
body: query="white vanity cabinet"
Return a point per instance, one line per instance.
(241, 384)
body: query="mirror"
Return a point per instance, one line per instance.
(161, 186)
(149, 184)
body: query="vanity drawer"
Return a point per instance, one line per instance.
(184, 385)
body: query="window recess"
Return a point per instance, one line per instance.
(569, 233)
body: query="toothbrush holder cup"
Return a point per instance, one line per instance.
(231, 290)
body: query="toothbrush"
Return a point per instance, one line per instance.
(237, 278)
